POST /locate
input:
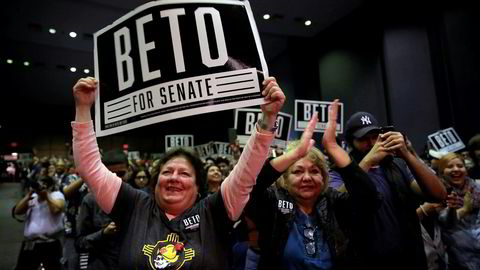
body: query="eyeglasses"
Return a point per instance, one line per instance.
(309, 234)
(141, 177)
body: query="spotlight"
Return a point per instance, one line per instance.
(73, 34)
(86, 71)
(26, 63)
(73, 69)
(308, 22)
(266, 16)
(9, 61)
(52, 31)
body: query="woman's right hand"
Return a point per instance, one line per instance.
(454, 201)
(111, 228)
(84, 92)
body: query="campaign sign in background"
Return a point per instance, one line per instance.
(304, 110)
(171, 59)
(446, 140)
(214, 150)
(245, 120)
(174, 141)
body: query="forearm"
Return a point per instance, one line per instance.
(365, 165)
(339, 156)
(89, 241)
(73, 187)
(82, 114)
(284, 161)
(267, 122)
(426, 179)
(238, 185)
(103, 183)
(360, 187)
(266, 177)
(22, 206)
(55, 206)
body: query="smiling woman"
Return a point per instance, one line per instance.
(462, 207)
(175, 228)
(178, 185)
(299, 221)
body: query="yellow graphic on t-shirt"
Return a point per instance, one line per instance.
(168, 254)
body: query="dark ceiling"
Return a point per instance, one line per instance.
(46, 83)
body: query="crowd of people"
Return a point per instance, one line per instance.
(379, 205)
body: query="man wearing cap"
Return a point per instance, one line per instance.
(389, 238)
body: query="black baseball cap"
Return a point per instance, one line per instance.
(359, 124)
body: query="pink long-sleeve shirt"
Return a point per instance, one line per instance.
(105, 185)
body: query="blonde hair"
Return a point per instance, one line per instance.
(442, 163)
(314, 155)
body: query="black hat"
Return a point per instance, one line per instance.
(115, 156)
(222, 159)
(359, 124)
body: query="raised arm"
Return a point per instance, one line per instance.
(357, 182)
(103, 183)
(284, 161)
(428, 182)
(238, 185)
(339, 156)
(22, 206)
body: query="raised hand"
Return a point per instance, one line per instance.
(454, 201)
(376, 154)
(339, 156)
(84, 93)
(306, 141)
(274, 97)
(394, 142)
(298, 150)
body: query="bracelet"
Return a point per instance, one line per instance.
(423, 210)
(264, 126)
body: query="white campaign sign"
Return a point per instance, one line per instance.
(173, 141)
(446, 140)
(304, 110)
(176, 58)
(133, 155)
(214, 150)
(246, 119)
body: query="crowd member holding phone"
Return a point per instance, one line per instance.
(43, 208)
(390, 237)
(173, 229)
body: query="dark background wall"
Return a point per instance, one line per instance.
(415, 66)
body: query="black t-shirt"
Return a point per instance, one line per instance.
(197, 239)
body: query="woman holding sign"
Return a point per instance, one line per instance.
(299, 223)
(174, 229)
